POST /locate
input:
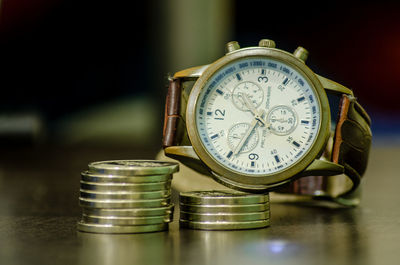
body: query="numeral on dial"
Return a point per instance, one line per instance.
(219, 114)
(262, 79)
(253, 156)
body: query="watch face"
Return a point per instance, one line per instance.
(257, 116)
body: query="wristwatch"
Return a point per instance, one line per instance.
(258, 120)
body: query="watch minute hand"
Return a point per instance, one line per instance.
(247, 135)
(258, 114)
(244, 139)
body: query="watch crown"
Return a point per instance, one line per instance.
(301, 53)
(267, 43)
(232, 46)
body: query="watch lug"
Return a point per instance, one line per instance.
(322, 168)
(193, 72)
(187, 156)
(181, 151)
(334, 87)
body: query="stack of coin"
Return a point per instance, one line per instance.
(223, 210)
(126, 196)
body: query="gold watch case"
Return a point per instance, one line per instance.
(245, 181)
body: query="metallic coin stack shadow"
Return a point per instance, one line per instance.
(223, 210)
(126, 196)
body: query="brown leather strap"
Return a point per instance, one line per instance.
(171, 115)
(310, 185)
(352, 141)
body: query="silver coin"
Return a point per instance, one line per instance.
(221, 197)
(87, 194)
(224, 217)
(114, 220)
(133, 187)
(133, 167)
(133, 212)
(90, 177)
(246, 208)
(119, 229)
(224, 225)
(114, 204)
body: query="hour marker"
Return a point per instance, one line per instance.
(219, 91)
(238, 77)
(296, 144)
(209, 113)
(263, 71)
(253, 164)
(229, 154)
(301, 99)
(305, 122)
(277, 159)
(286, 81)
(214, 136)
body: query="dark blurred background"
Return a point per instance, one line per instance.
(94, 73)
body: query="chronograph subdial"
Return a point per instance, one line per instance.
(254, 93)
(237, 132)
(282, 120)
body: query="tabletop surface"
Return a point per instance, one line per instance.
(39, 209)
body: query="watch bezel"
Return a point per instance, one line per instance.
(268, 179)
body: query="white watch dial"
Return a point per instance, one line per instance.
(257, 116)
